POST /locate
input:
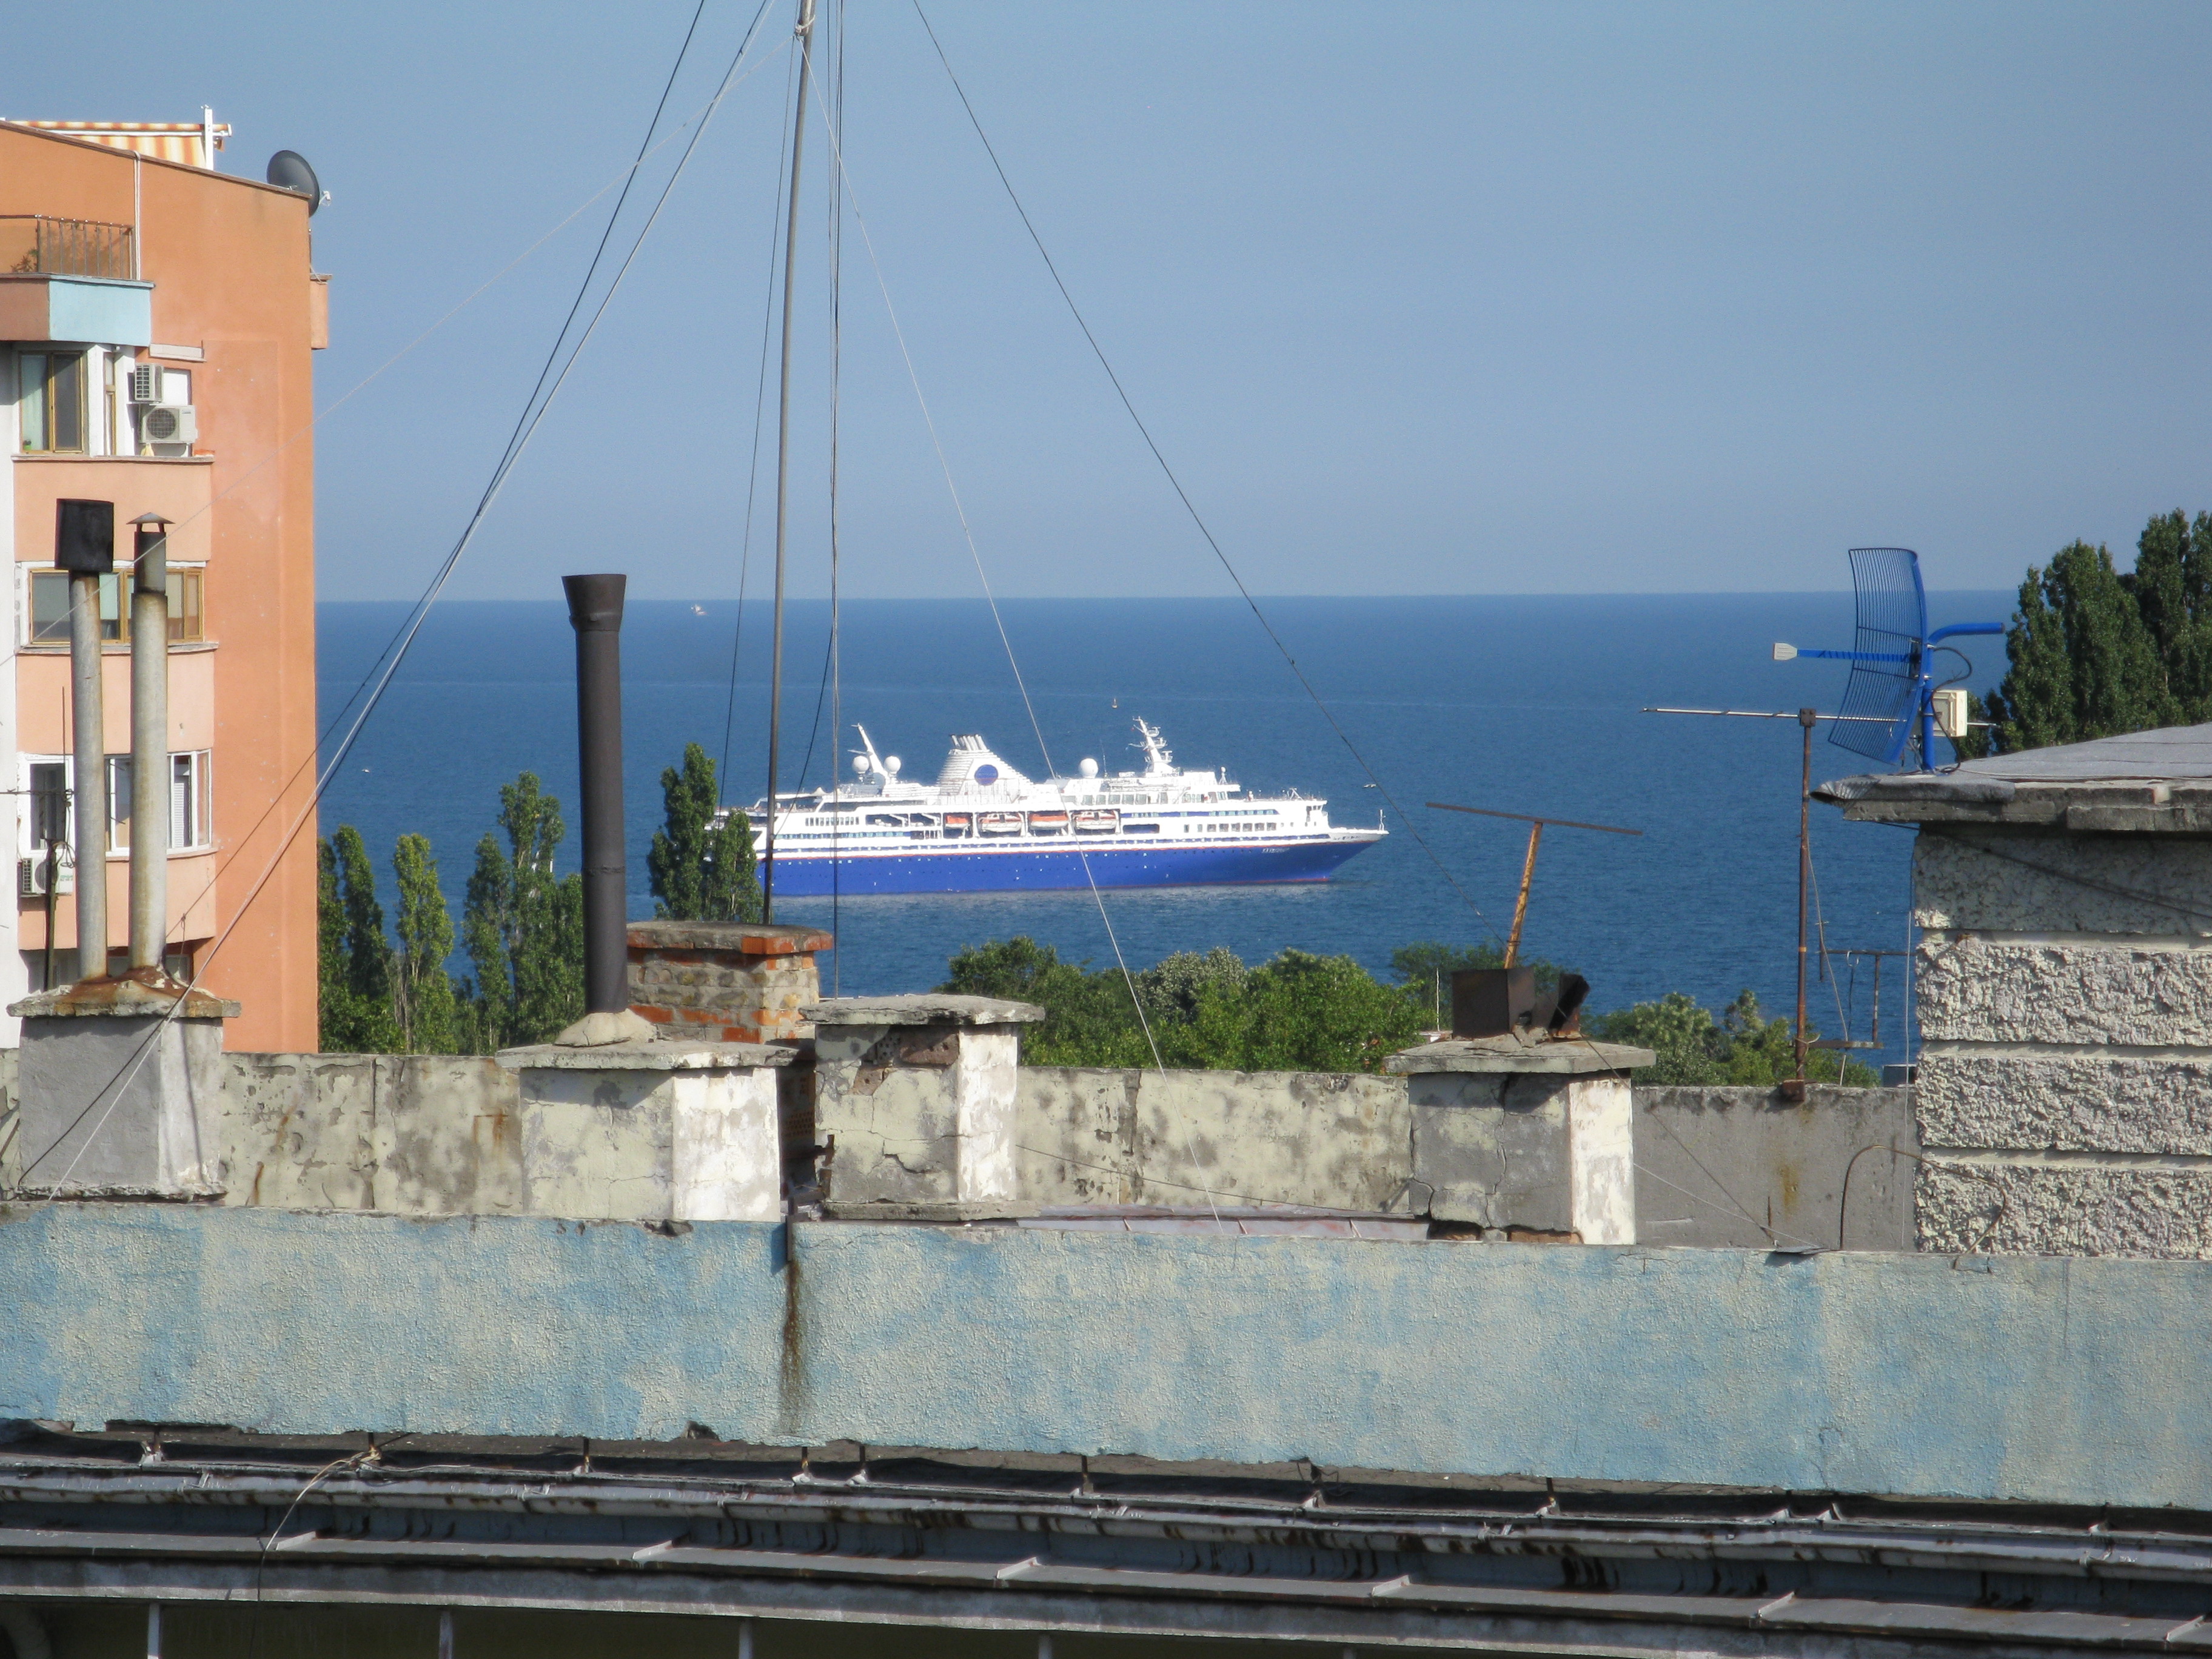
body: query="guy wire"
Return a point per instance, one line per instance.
(760, 405)
(1182, 495)
(960, 512)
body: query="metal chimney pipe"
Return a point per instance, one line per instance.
(595, 610)
(150, 784)
(84, 545)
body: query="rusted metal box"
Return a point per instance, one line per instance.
(1491, 1001)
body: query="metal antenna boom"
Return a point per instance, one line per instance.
(1527, 864)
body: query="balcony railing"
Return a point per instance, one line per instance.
(34, 244)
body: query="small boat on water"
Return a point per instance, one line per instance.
(983, 827)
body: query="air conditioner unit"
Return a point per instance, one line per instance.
(31, 874)
(145, 384)
(169, 424)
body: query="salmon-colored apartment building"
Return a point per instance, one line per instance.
(157, 321)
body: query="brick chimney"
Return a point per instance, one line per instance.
(727, 981)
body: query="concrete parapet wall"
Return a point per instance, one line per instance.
(409, 1135)
(428, 1135)
(1741, 1167)
(1097, 1135)
(2084, 1382)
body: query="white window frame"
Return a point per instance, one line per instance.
(196, 796)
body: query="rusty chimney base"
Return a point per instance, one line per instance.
(724, 982)
(119, 1083)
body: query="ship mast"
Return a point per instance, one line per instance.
(805, 33)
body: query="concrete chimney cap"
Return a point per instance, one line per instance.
(931, 1009)
(1559, 1057)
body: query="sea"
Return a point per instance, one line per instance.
(1534, 705)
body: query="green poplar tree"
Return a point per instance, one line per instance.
(335, 996)
(424, 995)
(353, 956)
(523, 925)
(701, 873)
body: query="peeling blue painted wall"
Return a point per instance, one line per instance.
(2059, 1380)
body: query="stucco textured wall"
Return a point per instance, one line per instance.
(2064, 993)
(2082, 1382)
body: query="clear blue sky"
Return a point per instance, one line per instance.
(1419, 298)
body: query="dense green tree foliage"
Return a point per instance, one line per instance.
(353, 955)
(701, 873)
(523, 928)
(2093, 651)
(1301, 1012)
(523, 925)
(1297, 1013)
(1740, 1047)
(429, 1013)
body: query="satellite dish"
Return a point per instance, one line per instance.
(891, 764)
(861, 764)
(1089, 768)
(289, 170)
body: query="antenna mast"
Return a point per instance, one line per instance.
(805, 33)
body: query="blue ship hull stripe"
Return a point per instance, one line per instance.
(1013, 869)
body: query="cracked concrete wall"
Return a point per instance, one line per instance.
(2065, 994)
(1744, 1168)
(1712, 1164)
(1100, 1135)
(408, 1134)
(920, 1117)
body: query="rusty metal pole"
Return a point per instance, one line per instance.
(1805, 719)
(595, 610)
(150, 784)
(1521, 904)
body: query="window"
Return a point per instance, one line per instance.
(50, 402)
(188, 800)
(50, 801)
(190, 818)
(49, 604)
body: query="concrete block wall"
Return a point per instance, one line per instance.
(430, 1135)
(2065, 995)
(1098, 1135)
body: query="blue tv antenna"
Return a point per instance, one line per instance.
(1890, 699)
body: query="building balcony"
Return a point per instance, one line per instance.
(37, 245)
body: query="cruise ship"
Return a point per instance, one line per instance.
(984, 827)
